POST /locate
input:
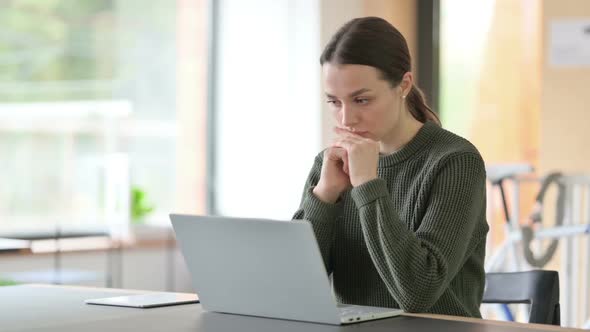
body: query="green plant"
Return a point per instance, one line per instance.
(139, 205)
(4, 282)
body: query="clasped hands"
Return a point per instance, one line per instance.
(350, 161)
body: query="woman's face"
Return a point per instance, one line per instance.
(360, 99)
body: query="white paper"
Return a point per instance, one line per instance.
(569, 43)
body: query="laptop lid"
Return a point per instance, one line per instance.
(256, 267)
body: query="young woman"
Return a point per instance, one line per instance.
(397, 203)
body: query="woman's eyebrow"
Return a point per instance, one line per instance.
(353, 94)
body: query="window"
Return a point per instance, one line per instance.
(89, 108)
(267, 98)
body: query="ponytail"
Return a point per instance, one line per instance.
(418, 107)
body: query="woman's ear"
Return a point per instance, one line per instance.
(406, 84)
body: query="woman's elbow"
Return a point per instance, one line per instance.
(416, 305)
(419, 300)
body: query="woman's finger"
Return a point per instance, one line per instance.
(339, 154)
(345, 133)
(345, 143)
(345, 168)
(344, 157)
(335, 153)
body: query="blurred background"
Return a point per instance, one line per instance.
(115, 113)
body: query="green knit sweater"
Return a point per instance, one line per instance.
(415, 237)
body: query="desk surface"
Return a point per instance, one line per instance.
(62, 308)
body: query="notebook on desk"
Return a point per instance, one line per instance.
(149, 300)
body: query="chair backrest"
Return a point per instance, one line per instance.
(538, 288)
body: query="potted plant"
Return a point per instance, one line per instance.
(140, 207)
(4, 282)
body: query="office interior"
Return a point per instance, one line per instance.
(116, 113)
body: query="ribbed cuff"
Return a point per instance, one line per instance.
(369, 192)
(317, 210)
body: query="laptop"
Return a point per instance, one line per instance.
(263, 268)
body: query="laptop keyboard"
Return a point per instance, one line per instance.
(353, 310)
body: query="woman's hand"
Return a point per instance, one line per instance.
(362, 153)
(334, 178)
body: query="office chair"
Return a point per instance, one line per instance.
(538, 288)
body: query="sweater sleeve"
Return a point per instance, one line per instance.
(321, 215)
(418, 266)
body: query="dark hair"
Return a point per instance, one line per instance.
(372, 41)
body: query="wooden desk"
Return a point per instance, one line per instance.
(62, 308)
